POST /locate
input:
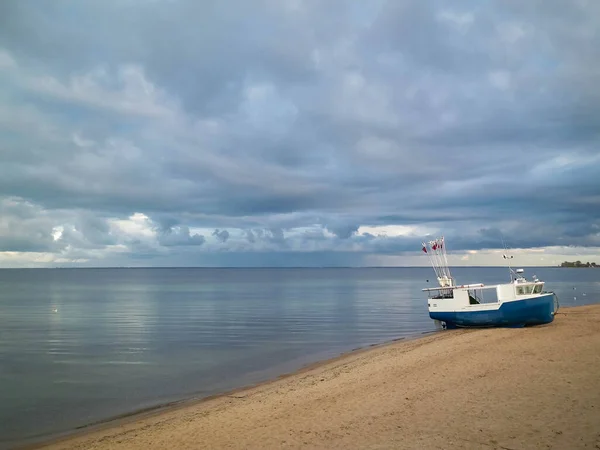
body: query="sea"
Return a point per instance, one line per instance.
(82, 346)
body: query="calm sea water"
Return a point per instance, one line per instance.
(82, 345)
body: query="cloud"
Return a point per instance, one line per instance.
(343, 231)
(250, 236)
(6, 61)
(127, 92)
(221, 235)
(192, 132)
(180, 236)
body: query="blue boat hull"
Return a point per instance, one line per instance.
(519, 313)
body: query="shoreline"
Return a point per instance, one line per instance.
(34, 442)
(254, 407)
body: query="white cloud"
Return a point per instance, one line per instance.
(388, 230)
(138, 225)
(57, 232)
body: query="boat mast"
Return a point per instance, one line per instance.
(439, 261)
(508, 258)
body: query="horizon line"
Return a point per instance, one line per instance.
(271, 267)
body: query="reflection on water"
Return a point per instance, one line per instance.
(81, 345)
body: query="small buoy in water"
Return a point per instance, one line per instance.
(427, 281)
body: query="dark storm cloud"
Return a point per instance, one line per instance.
(179, 236)
(250, 236)
(272, 121)
(343, 231)
(221, 235)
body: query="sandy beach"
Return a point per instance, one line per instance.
(526, 388)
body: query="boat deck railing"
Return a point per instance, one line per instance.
(464, 286)
(443, 293)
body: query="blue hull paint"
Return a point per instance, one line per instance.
(519, 313)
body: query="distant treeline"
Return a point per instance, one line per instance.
(578, 264)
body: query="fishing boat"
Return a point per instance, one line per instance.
(517, 303)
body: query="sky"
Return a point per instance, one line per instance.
(298, 133)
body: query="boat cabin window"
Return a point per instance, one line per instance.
(537, 289)
(525, 290)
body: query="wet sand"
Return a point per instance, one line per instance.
(526, 388)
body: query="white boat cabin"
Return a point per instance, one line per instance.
(458, 297)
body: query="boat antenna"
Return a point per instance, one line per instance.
(508, 257)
